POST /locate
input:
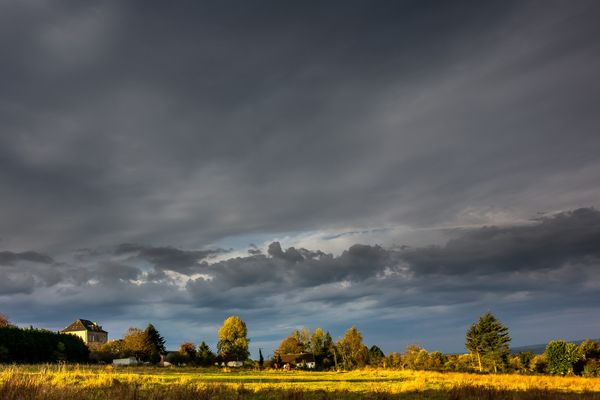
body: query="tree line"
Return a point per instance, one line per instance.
(148, 346)
(145, 345)
(487, 341)
(39, 345)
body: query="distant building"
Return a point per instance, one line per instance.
(90, 332)
(126, 361)
(235, 364)
(299, 360)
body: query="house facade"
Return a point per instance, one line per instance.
(90, 332)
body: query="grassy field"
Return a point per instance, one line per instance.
(89, 382)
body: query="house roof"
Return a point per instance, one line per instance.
(84, 325)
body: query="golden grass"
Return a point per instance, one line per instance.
(95, 382)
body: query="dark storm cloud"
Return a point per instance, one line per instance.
(561, 243)
(9, 257)
(567, 237)
(182, 127)
(167, 257)
(153, 123)
(550, 263)
(555, 254)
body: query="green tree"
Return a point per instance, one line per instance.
(154, 344)
(233, 343)
(422, 360)
(488, 339)
(59, 353)
(305, 339)
(411, 355)
(317, 342)
(437, 360)
(589, 349)
(394, 360)
(39, 345)
(525, 358)
(261, 359)
(561, 357)
(539, 363)
(589, 364)
(328, 356)
(204, 356)
(354, 353)
(376, 357)
(109, 351)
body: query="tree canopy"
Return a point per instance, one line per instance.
(233, 343)
(562, 356)
(354, 353)
(204, 356)
(487, 340)
(290, 345)
(154, 344)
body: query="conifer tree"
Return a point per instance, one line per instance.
(204, 356)
(488, 339)
(155, 344)
(261, 359)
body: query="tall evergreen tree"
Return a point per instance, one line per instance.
(261, 359)
(330, 351)
(204, 356)
(488, 339)
(155, 344)
(376, 356)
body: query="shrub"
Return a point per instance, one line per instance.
(561, 357)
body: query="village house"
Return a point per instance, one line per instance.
(298, 360)
(90, 332)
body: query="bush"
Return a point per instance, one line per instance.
(592, 368)
(539, 363)
(561, 357)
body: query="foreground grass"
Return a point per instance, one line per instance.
(90, 382)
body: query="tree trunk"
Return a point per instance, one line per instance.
(335, 360)
(479, 360)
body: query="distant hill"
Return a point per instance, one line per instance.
(540, 348)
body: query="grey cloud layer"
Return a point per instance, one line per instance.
(145, 122)
(550, 264)
(166, 128)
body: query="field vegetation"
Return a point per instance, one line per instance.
(306, 365)
(32, 382)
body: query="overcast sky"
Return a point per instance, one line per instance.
(401, 166)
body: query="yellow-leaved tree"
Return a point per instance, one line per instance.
(233, 343)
